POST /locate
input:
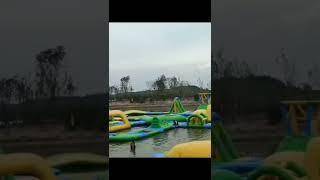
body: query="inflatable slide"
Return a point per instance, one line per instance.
(225, 155)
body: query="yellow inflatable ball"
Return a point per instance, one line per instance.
(195, 149)
(25, 164)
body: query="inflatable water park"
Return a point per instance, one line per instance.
(296, 157)
(153, 123)
(67, 166)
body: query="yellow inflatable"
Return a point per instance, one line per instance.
(205, 112)
(195, 149)
(312, 159)
(123, 117)
(215, 155)
(201, 111)
(25, 164)
(209, 112)
(128, 112)
(309, 159)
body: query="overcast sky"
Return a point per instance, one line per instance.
(28, 27)
(251, 30)
(146, 50)
(257, 30)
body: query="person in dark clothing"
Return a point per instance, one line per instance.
(175, 123)
(133, 147)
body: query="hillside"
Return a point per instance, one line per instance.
(88, 111)
(142, 96)
(256, 94)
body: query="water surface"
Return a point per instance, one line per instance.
(158, 143)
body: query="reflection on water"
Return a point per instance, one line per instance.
(158, 143)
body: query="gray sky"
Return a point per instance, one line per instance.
(28, 27)
(146, 50)
(257, 30)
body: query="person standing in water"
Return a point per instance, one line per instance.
(133, 147)
(175, 123)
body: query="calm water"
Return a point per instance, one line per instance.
(158, 143)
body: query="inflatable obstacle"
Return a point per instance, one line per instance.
(225, 156)
(14, 165)
(286, 165)
(176, 107)
(114, 126)
(26, 164)
(194, 149)
(158, 125)
(302, 117)
(139, 113)
(292, 165)
(224, 149)
(201, 118)
(204, 98)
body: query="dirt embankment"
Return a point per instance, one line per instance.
(253, 136)
(189, 105)
(52, 140)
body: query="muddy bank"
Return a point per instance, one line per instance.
(47, 141)
(255, 136)
(162, 106)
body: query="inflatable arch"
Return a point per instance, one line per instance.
(123, 118)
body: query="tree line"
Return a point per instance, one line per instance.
(224, 67)
(51, 79)
(239, 88)
(162, 87)
(48, 95)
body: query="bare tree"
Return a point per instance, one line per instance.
(7, 90)
(48, 70)
(173, 82)
(161, 82)
(125, 85)
(15, 90)
(23, 89)
(209, 84)
(314, 74)
(218, 65)
(200, 83)
(69, 85)
(287, 67)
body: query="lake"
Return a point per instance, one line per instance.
(158, 143)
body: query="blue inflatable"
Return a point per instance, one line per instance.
(240, 167)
